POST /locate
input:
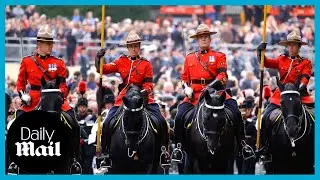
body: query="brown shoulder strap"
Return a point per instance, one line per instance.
(40, 67)
(125, 78)
(205, 67)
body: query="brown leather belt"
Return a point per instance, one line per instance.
(35, 87)
(201, 81)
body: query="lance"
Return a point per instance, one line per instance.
(261, 79)
(98, 148)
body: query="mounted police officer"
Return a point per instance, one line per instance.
(136, 70)
(201, 68)
(39, 64)
(292, 67)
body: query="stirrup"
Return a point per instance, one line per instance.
(264, 160)
(165, 153)
(103, 164)
(75, 168)
(246, 149)
(177, 149)
(13, 169)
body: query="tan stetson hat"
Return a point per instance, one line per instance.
(133, 38)
(45, 34)
(293, 37)
(202, 29)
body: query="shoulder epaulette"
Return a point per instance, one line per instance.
(143, 58)
(124, 56)
(57, 58)
(27, 56)
(191, 53)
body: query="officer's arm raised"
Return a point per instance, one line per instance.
(268, 62)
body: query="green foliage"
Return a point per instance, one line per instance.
(117, 13)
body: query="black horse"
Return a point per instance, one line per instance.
(209, 140)
(51, 100)
(292, 137)
(135, 147)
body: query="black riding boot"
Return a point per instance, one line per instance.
(177, 154)
(165, 156)
(75, 134)
(105, 144)
(266, 134)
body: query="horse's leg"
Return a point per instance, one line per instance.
(181, 167)
(189, 165)
(75, 133)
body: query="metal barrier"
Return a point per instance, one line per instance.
(17, 48)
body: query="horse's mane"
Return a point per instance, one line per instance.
(133, 90)
(290, 87)
(50, 85)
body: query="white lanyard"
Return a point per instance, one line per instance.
(290, 68)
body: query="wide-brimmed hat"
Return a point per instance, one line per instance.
(45, 34)
(202, 29)
(293, 37)
(133, 38)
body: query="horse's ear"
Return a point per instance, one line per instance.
(207, 95)
(280, 85)
(140, 101)
(297, 84)
(58, 82)
(222, 98)
(125, 100)
(43, 81)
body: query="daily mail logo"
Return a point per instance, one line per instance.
(27, 147)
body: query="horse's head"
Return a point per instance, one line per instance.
(291, 108)
(132, 121)
(51, 96)
(214, 118)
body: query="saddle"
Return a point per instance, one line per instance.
(274, 116)
(67, 119)
(309, 112)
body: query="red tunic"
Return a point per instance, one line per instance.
(142, 75)
(30, 73)
(217, 65)
(301, 68)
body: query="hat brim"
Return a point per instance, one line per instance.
(133, 42)
(46, 40)
(202, 33)
(128, 43)
(285, 43)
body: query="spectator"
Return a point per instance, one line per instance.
(76, 16)
(84, 62)
(91, 81)
(17, 11)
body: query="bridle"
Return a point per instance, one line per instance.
(295, 117)
(130, 155)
